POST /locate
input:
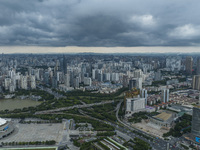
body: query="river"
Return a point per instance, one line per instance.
(12, 104)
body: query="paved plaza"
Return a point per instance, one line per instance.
(36, 132)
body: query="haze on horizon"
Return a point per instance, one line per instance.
(110, 26)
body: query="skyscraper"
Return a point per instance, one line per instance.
(165, 95)
(198, 67)
(188, 65)
(64, 65)
(125, 81)
(196, 121)
(144, 95)
(132, 84)
(196, 82)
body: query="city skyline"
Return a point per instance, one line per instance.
(76, 49)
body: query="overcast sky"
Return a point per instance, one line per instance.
(100, 23)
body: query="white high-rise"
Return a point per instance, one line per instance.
(33, 83)
(144, 95)
(134, 105)
(165, 95)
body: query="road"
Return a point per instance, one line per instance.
(72, 107)
(55, 94)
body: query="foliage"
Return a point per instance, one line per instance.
(51, 142)
(103, 112)
(137, 144)
(183, 126)
(108, 133)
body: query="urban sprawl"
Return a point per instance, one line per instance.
(94, 101)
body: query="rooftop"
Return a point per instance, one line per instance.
(2, 121)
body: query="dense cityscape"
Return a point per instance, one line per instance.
(96, 101)
(99, 75)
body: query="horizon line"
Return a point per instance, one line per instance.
(100, 50)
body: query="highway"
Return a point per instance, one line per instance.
(72, 107)
(48, 90)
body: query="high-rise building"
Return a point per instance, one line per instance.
(134, 105)
(158, 76)
(188, 65)
(7, 83)
(137, 73)
(132, 83)
(64, 65)
(198, 67)
(135, 83)
(93, 74)
(46, 77)
(196, 121)
(144, 95)
(54, 82)
(100, 77)
(196, 82)
(24, 83)
(165, 95)
(76, 82)
(33, 83)
(125, 81)
(87, 81)
(139, 83)
(67, 80)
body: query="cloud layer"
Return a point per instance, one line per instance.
(97, 23)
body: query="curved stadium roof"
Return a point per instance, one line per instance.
(2, 121)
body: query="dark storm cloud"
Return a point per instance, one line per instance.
(99, 23)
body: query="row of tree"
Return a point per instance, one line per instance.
(50, 142)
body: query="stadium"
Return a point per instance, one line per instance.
(6, 128)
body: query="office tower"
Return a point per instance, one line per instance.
(134, 104)
(165, 95)
(56, 68)
(132, 83)
(198, 66)
(196, 121)
(196, 82)
(188, 65)
(144, 95)
(71, 74)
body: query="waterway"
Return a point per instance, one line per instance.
(12, 104)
